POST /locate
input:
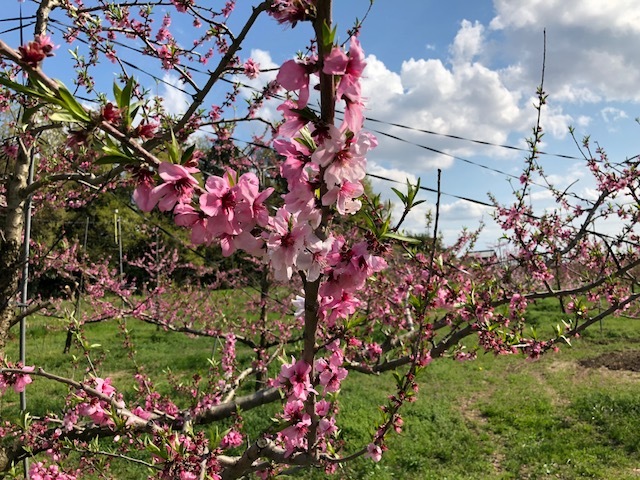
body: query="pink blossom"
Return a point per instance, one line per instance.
(178, 187)
(323, 408)
(374, 351)
(34, 52)
(231, 439)
(39, 471)
(286, 242)
(142, 193)
(293, 410)
(69, 420)
(330, 376)
(220, 202)
(313, 259)
(182, 5)
(168, 55)
(145, 130)
(251, 208)
(251, 68)
(228, 8)
(94, 409)
(243, 241)
(295, 376)
(327, 426)
(343, 157)
(229, 355)
(294, 76)
(294, 437)
(344, 197)
(187, 216)
(293, 121)
(21, 381)
(110, 113)
(350, 68)
(374, 452)
(104, 386)
(353, 114)
(291, 11)
(138, 412)
(296, 156)
(301, 198)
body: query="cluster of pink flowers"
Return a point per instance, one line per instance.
(232, 208)
(331, 371)
(183, 458)
(324, 166)
(292, 11)
(40, 471)
(18, 381)
(229, 355)
(98, 410)
(34, 52)
(182, 5)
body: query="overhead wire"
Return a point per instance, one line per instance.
(369, 119)
(472, 140)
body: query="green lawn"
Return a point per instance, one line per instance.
(493, 418)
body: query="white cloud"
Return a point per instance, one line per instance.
(464, 211)
(394, 174)
(611, 114)
(465, 98)
(591, 47)
(468, 42)
(620, 15)
(174, 99)
(583, 121)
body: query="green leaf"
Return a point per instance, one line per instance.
(306, 113)
(328, 35)
(402, 238)
(29, 112)
(117, 93)
(125, 96)
(62, 116)
(111, 159)
(71, 104)
(400, 195)
(306, 139)
(173, 149)
(188, 153)
(31, 92)
(133, 110)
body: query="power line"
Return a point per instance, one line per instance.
(395, 137)
(479, 142)
(370, 119)
(433, 190)
(380, 177)
(440, 152)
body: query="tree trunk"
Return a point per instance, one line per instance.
(11, 243)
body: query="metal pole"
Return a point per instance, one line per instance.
(118, 234)
(25, 293)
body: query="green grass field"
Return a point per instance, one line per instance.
(493, 418)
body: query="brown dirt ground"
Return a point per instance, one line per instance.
(626, 360)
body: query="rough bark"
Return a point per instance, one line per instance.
(11, 243)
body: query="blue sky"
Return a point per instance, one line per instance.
(470, 68)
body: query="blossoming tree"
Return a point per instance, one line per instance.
(355, 314)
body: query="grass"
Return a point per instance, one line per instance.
(493, 418)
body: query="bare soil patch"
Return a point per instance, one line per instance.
(626, 360)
